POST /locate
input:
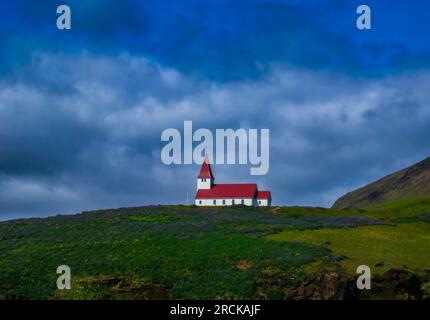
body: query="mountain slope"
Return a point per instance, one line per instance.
(411, 182)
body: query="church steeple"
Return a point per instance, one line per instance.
(205, 170)
(205, 179)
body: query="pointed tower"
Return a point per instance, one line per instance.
(205, 179)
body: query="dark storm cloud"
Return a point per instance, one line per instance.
(97, 143)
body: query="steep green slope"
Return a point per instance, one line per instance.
(408, 183)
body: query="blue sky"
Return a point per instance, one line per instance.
(224, 41)
(81, 111)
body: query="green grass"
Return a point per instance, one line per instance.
(389, 212)
(160, 218)
(204, 253)
(187, 253)
(399, 209)
(379, 247)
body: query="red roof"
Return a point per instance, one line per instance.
(205, 170)
(264, 195)
(228, 191)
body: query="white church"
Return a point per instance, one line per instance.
(211, 194)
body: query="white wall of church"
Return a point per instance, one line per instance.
(204, 183)
(262, 202)
(224, 202)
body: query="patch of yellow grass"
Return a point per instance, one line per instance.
(380, 247)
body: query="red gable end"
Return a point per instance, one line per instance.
(264, 195)
(228, 191)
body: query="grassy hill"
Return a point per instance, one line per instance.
(408, 183)
(205, 253)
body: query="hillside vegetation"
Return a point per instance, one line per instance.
(408, 183)
(208, 253)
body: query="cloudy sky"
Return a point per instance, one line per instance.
(82, 110)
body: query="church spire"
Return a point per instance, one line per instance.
(205, 170)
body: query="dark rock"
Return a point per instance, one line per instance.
(330, 285)
(395, 284)
(400, 284)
